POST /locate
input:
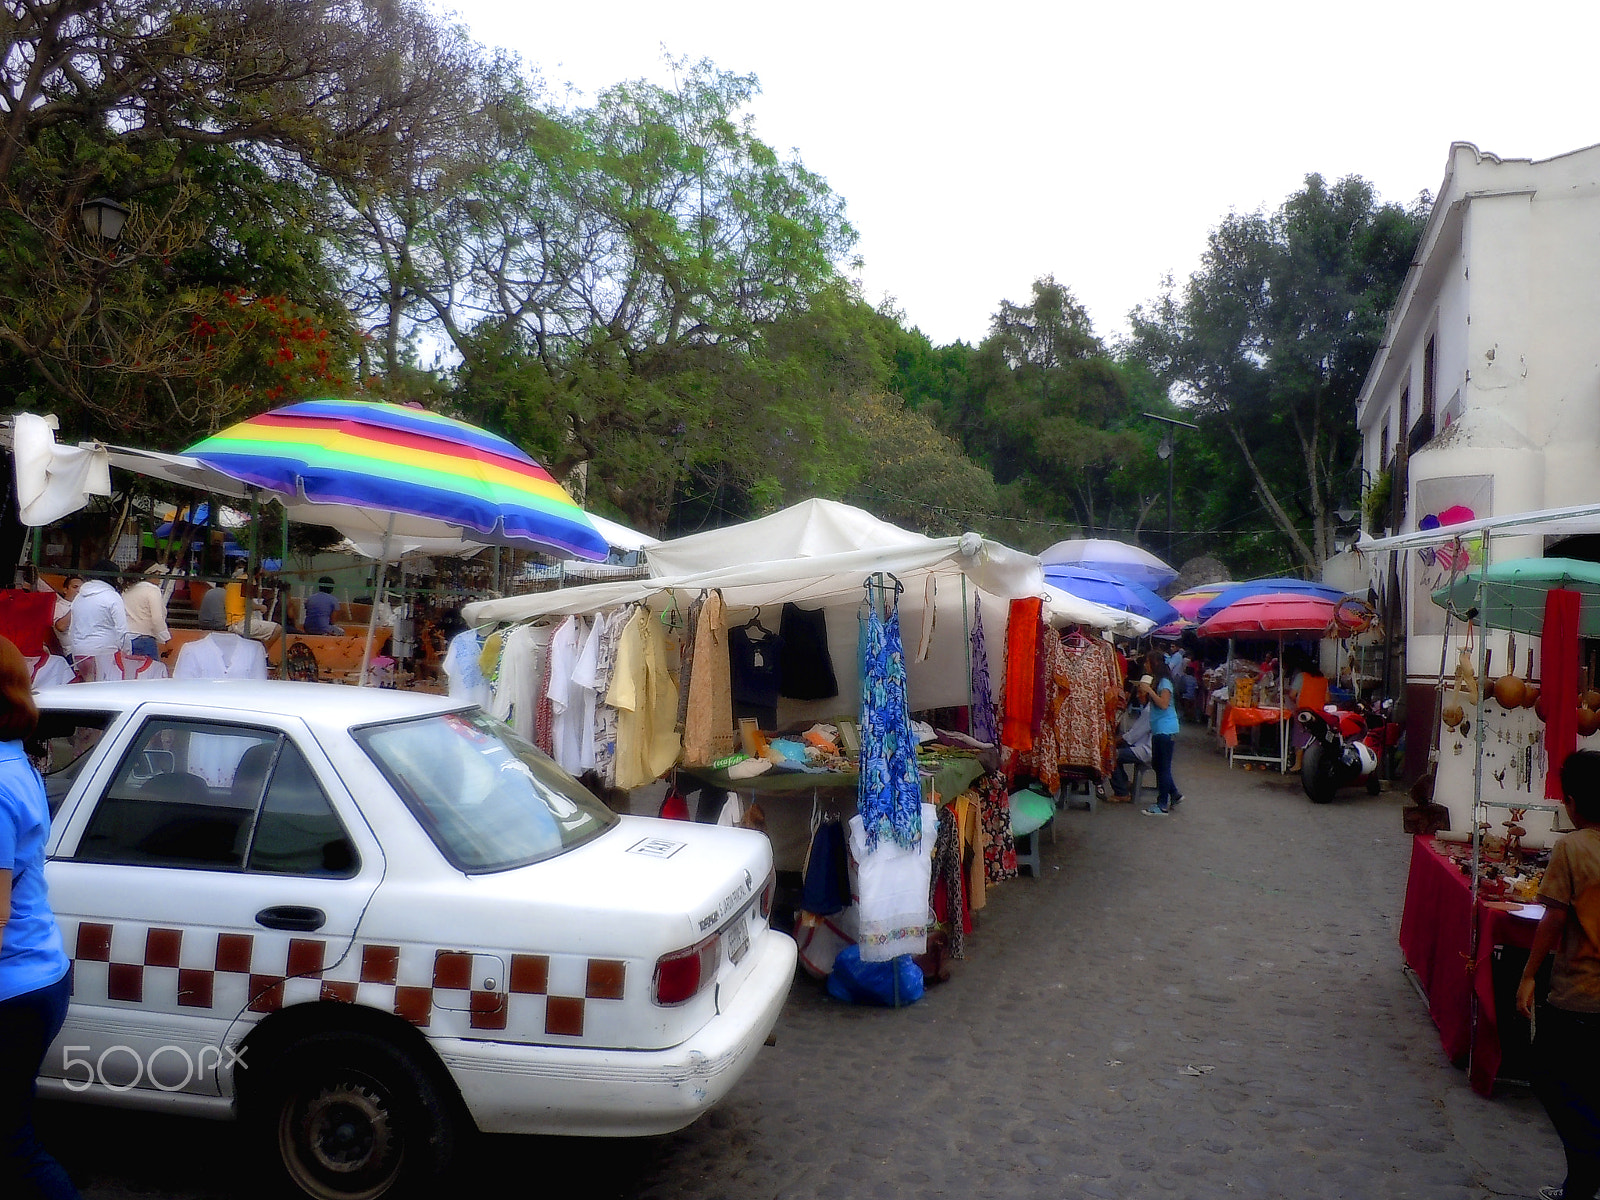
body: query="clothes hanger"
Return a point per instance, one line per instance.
(755, 622)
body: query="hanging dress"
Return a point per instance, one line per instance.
(890, 797)
(983, 723)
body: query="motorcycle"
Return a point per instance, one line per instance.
(1346, 749)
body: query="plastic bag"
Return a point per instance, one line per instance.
(892, 984)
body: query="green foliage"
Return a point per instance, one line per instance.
(1268, 343)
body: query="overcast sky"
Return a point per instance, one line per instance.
(980, 146)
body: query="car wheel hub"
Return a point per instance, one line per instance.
(341, 1142)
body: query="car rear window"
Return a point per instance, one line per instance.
(489, 800)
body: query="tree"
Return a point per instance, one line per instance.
(1269, 341)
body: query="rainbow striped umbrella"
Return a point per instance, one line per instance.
(370, 469)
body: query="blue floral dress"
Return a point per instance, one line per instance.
(890, 799)
(984, 726)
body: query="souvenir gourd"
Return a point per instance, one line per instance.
(1463, 691)
(1508, 688)
(1530, 689)
(1588, 718)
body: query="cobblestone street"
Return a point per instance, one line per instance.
(1203, 1006)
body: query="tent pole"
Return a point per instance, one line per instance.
(1477, 779)
(966, 640)
(377, 595)
(283, 566)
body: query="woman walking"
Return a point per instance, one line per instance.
(33, 966)
(1156, 689)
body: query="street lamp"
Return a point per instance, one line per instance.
(1168, 451)
(103, 218)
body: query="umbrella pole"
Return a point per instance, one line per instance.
(377, 594)
(1283, 706)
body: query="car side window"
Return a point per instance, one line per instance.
(60, 748)
(184, 795)
(298, 832)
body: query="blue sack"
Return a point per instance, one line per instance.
(892, 984)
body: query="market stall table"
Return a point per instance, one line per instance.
(788, 826)
(1235, 718)
(1435, 938)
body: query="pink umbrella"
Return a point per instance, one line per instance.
(1189, 602)
(1275, 613)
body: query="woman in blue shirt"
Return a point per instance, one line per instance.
(1163, 701)
(34, 985)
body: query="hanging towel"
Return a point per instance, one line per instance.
(894, 883)
(1022, 658)
(1558, 649)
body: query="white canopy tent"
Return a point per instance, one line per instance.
(818, 554)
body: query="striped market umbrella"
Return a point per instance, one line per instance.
(1266, 587)
(1189, 602)
(371, 468)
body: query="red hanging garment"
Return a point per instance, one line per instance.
(1022, 660)
(1558, 681)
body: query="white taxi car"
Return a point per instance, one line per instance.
(367, 922)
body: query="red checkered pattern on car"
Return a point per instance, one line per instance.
(447, 991)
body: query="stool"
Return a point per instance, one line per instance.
(1076, 790)
(1137, 784)
(1030, 857)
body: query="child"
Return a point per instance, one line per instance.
(1567, 1039)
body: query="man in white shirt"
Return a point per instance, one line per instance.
(147, 612)
(99, 620)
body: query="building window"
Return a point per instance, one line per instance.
(1383, 445)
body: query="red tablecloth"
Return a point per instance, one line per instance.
(1435, 937)
(1235, 719)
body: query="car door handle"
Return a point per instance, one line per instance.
(292, 916)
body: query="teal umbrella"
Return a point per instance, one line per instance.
(1516, 590)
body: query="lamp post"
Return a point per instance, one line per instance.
(103, 218)
(1168, 451)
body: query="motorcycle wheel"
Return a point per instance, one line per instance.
(1317, 773)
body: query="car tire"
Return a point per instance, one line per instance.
(350, 1116)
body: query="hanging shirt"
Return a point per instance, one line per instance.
(515, 698)
(755, 660)
(461, 668)
(607, 634)
(221, 656)
(587, 682)
(569, 728)
(805, 664)
(644, 694)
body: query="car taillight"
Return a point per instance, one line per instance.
(767, 893)
(681, 974)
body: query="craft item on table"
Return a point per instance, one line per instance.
(805, 662)
(749, 768)
(983, 722)
(755, 665)
(923, 732)
(708, 725)
(849, 739)
(644, 694)
(890, 796)
(823, 737)
(894, 882)
(1022, 658)
(751, 740)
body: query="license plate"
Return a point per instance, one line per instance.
(737, 938)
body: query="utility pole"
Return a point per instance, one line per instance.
(1168, 451)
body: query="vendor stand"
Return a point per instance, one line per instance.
(1512, 770)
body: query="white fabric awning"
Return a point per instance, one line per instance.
(1551, 522)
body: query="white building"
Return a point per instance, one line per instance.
(1486, 391)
